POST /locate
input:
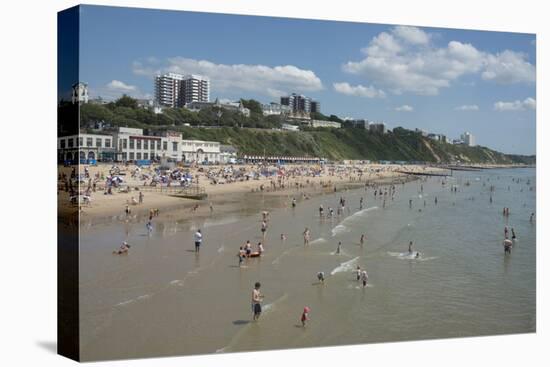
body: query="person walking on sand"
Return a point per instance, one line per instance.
(306, 236)
(305, 316)
(198, 240)
(257, 299)
(141, 197)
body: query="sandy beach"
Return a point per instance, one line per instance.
(328, 179)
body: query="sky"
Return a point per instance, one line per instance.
(444, 81)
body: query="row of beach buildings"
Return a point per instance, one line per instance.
(133, 144)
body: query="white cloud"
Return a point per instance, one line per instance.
(405, 60)
(467, 107)
(412, 35)
(358, 90)
(517, 105)
(509, 67)
(404, 108)
(267, 80)
(117, 85)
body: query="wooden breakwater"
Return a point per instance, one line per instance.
(424, 173)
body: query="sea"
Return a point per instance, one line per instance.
(163, 299)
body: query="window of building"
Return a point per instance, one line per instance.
(62, 143)
(80, 142)
(98, 142)
(132, 156)
(124, 143)
(107, 143)
(146, 144)
(138, 154)
(132, 143)
(89, 142)
(138, 144)
(158, 145)
(165, 145)
(145, 155)
(174, 146)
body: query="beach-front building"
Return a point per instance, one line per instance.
(85, 147)
(200, 151)
(228, 154)
(132, 144)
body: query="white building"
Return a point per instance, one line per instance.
(290, 127)
(275, 109)
(468, 139)
(130, 144)
(85, 146)
(230, 106)
(200, 151)
(80, 93)
(323, 123)
(176, 90)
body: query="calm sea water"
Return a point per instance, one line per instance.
(162, 299)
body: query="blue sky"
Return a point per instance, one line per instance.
(441, 80)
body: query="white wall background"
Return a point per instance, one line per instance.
(28, 219)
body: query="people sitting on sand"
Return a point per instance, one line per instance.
(123, 249)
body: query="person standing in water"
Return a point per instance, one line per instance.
(358, 273)
(321, 276)
(513, 234)
(257, 299)
(293, 203)
(362, 240)
(321, 210)
(410, 247)
(361, 203)
(338, 248)
(198, 240)
(364, 278)
(306, 235)
(264, 228)
(305, 316)
(507, 246)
